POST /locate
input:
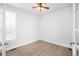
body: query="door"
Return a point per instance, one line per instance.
(77, 29)
(75, 44)
(2, 30)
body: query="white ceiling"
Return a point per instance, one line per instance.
(53, 7)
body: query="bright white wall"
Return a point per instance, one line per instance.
(27, 26)
(27, 29)
(57, 27)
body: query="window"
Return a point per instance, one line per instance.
(10, 25)
(0, 24)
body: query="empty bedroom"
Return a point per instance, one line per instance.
(39, 29)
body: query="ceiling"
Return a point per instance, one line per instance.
(53, 7)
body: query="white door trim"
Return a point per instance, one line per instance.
(74, 40)
(3, 30)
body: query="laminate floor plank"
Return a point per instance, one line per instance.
(40, 48)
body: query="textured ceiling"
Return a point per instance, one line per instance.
(53, 7)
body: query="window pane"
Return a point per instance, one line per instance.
(0, 26)
(10, 25)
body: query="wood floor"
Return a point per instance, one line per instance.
(40, 48)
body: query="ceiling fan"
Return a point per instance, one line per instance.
(41, 6)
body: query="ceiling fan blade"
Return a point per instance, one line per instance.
(46, 7)
(41, 6)
(35, 7)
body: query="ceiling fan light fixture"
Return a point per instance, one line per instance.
(41, 6)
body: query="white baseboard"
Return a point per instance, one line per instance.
(34, 41)
(57, 43)
(24, 43)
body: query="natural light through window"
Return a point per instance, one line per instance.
(0, 25)
(10, 25)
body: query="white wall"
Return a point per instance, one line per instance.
(27, 26)
(27, 29)
(57, 27)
